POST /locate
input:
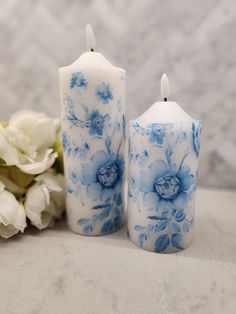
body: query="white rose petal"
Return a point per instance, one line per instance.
(45, 200)
(8, 153)
(12, 214)
(36, 206)
(37, 126)
(17, 139)
(27, 140)
(40, 166)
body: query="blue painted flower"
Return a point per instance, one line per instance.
(95, 122)
(103, 177)
(74, 176)
(78, 80)
(104, 93)
(134, 156)
(72, 182)
(196, 133)
(164, 188)
(157, 133)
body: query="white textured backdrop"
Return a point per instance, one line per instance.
(192, 40)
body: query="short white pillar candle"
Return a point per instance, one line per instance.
(164, 148)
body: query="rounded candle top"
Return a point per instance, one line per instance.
(164, 111)
(91, 58)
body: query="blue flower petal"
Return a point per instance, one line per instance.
(107, 194)
(88, 175)
(104, 93)
(99, 158)
(183, 172)
(164, 205)
(150, 201)
(180, 202)
(94, 191)
(186, 182)
(158, 168)
(146, 182)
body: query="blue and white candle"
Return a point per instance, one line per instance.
(92, 93)
(164, 148)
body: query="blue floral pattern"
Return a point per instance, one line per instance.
(196, 133)
(93, 120)
(104, 93)
(155, 131)
(165, 187)
(93, 136)
(96, 122)
(78, 80)
(103, 178)
(72, 149)
(72, 182)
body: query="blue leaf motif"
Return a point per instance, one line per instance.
(118, 199)
(169, 154)
(196, 133)
(186, 227)
(175, 227)
(100, 206)
(176, 241)
(117, 211)
(162, 225)
(180, 215)
(107, 227)
(117, 221)
(142, 238)
(162, 242)
(88, 229)
(83, 221)
(156, 218)
(105, 213)
(139, 228)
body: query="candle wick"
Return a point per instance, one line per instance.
(165, 99)
(92, 49)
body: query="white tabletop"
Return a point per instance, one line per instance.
(57, 271)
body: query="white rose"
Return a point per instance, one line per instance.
(39, 128)
(26, 141)
(45, 200)
(12, 214)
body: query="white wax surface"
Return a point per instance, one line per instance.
(90, 59)
(164, 112)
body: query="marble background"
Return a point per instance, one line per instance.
(192, 41)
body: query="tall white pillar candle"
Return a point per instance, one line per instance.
(164, 148)
(92, 93)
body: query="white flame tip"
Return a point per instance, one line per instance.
(165, 88)
(90, 38)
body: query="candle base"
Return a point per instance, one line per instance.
(74, 229)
